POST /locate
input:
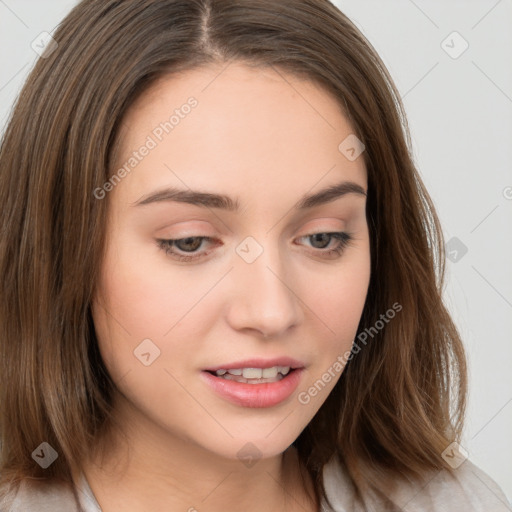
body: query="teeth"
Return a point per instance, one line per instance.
(241, 379)
(254, 373)
(283, 369)
(269, 373)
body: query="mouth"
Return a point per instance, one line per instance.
(253, 375)
(255, 383)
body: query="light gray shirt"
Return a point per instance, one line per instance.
(465, 489)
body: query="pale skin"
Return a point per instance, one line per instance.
(265, 142)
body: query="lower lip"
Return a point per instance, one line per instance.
(266, 394)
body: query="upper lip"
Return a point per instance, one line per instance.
(258, 363)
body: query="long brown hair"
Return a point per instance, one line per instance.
(399, 402)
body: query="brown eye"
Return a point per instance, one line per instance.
(190, 244)
(185, 249)
(322, 241)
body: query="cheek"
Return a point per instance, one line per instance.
(337, 305)
(143, 294)
(130, 306)
(340, 299)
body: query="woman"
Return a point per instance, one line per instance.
(221, 273)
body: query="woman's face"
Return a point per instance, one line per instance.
(263, 290)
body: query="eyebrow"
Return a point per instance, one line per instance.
(224, 202)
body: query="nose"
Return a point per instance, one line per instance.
(264, 297)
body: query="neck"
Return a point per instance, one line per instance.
(154, 471)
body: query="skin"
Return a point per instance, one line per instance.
(266, 139)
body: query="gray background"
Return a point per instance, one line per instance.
(460, 115)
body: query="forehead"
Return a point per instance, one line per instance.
(249, 127)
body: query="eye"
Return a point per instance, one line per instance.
(322, 241)
(187, 249)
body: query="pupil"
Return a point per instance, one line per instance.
(187, 244)
(325, 236)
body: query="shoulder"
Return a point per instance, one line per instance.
(465, 489)
(34, 495)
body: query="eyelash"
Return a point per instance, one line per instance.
(344, 240)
